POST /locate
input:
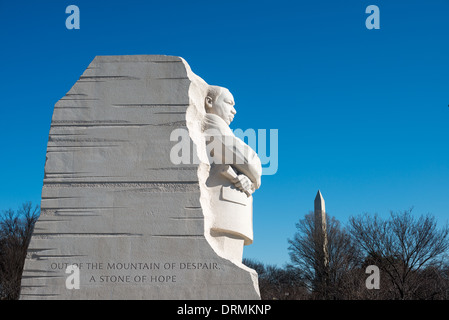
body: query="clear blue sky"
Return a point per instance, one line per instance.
(362, 114)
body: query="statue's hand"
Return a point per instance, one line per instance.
(243, 183)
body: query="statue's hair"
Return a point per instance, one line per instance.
(214, 92)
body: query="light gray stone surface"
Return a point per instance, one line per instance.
(112, 201)
(320, 229)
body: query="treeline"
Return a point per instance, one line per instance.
(409, 252)
(16, 228)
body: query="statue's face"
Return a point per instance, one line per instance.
(224, 107)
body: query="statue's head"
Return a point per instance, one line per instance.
(219, 101)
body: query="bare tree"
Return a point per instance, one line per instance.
(323, 279)
(404, 247)
(16, 229)
(277, 283)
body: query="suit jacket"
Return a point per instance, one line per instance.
(231, 208)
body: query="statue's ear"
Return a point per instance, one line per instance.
(208, 102)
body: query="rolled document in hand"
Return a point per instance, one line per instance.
(231, 175)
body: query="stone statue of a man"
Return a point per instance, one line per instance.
(235, 173)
